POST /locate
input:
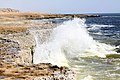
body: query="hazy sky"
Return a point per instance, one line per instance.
(64, 6)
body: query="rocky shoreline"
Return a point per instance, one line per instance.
(16, 52)
(12, 14)
(42, 71)
(17, 46)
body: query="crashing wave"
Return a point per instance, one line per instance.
(67, 41)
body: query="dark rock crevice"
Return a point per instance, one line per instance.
(32, 52)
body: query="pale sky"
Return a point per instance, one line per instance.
(64, 6)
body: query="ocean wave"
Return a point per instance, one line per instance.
(67, 41)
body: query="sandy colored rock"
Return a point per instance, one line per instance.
(17, 47)
(16, 14)
(19, 65)
(35, 72)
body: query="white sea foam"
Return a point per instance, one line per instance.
(98, 27)
(87, 78)
(67, 41)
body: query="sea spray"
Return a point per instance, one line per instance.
(72, 37)
(67, 41)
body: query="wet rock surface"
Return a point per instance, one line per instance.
(17, 49)
(8, 50)
(16, 61)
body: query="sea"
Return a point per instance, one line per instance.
(89, 46)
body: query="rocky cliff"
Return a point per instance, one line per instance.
(16, 54)
(17, 46)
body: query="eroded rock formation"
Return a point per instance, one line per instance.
(16, 52)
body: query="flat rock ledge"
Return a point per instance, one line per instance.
(43, 71)
(12, 14)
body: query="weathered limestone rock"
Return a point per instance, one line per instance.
(43, 71)
(16, 52)
(16, 62)
(8, 50)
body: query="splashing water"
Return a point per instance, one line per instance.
(70, 39)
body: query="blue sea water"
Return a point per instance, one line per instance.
(106, 27)
(90, 51)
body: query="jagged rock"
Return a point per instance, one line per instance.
(16, 52)
(8, 50)
(20, 67)
(118, 50)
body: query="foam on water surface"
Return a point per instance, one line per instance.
(67, 41)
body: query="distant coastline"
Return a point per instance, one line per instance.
(12, 13)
